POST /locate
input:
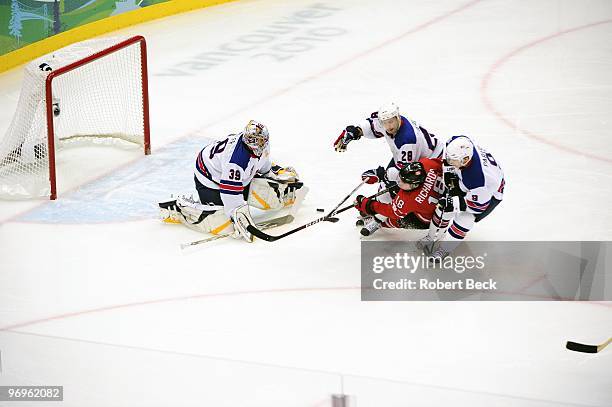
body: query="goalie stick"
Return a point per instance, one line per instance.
(329, 218)
(581, 347)
(268, 224)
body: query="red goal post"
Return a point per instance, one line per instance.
(145, 99)
(93, 90)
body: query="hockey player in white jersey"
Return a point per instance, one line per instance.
(230, 175)
(472, 175)
(407, 141)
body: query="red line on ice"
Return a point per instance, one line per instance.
(484, 87)
(235, 293)
(167, 300)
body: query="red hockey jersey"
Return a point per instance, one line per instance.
(421, 201)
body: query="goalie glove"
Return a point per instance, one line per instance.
(349, 134)
(241, 217)
(282, 174)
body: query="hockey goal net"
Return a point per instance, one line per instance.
(93, 91)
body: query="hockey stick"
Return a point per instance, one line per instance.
(268, 224)
(581, 347)
(382, 191)
(333, 211)
(443, 204)
(268, 238)
(329, 217)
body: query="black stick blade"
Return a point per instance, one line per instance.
(581, 347)
(261, 235)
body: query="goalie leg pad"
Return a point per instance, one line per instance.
(203, 218)
(198, 217)
(242, 220)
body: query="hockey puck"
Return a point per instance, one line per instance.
(320, 210)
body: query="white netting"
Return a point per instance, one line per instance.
(99, 100)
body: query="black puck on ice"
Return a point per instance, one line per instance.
(320, 210)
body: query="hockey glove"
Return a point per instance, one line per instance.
(364, 205)
(446, 204)
(349, 134)
(375, 175)
(451, 180)
(282, 174)
(242, 219)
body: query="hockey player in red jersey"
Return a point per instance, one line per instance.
(421, 186)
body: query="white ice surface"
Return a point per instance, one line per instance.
(95, 294)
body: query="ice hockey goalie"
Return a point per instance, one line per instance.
(231, 176)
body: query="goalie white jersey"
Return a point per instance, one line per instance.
(481, 180)
(411, 143)
(229, 166)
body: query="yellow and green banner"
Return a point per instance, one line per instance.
(31, 28)
(23, 22)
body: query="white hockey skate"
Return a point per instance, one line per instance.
(360, 222)
(439, 255)
(370, 225)
(425, 244)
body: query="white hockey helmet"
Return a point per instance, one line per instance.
(459, 152)
(389, 117)
(256, 136)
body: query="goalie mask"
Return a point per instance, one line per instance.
(412, 176)
(256, 136)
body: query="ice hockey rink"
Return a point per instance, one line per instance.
(96, 296)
